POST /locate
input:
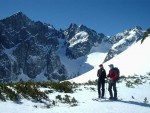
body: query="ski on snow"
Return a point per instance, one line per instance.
(96, 99)
(104, 99)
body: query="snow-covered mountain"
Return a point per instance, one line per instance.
(80, 40)
(123, 40)
(135, 60)
(28, 50)
(81, 44)
(37, 51)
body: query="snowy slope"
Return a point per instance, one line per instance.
(135, 60)
(129, 37)
(123, 41)
(84, 96)
(132, 100)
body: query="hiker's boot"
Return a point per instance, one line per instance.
(102, 97)
(115, 98)
(103, 93)
(110, 98)
(115, 95)
(111, 94)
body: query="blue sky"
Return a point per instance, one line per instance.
(104, 16)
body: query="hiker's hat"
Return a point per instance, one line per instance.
(111, 65)
(100, 65)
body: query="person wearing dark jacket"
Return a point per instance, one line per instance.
(101, 74)
(112, 82)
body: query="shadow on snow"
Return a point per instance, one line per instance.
(129, 102)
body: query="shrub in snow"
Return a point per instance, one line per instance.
(66, 99)
(30, 90)
(129, 84)
(58, 97)
(9, 93)
(66, 86)
(94, 82)
(72, 101)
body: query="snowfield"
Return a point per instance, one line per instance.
(84, 95)
(135, 60)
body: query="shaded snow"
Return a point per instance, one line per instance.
(10, 55)
(83, 64)
(23, 77)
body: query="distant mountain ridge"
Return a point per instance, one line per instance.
(28, 49)
(123, 40)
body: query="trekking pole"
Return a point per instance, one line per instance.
(106, 88)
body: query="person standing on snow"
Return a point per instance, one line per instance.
(101, 74)
(113, 75)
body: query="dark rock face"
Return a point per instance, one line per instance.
(16, 21)
(5, 67)
(80, 40)
(29, 46)
(9, 67)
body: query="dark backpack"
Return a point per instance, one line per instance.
(118, 72)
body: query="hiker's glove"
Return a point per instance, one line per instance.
(109, 78)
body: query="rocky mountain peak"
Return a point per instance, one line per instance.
(80, 39)
(16, 21)
(137, 28)
(123, 40)
(19, 13)
(135, 32)
(73, 26)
